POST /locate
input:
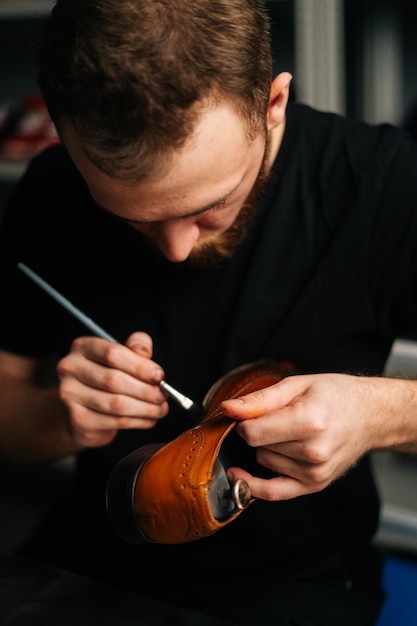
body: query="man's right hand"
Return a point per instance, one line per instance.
(108, 386)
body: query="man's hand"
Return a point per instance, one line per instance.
(312, 429)
(107, 386)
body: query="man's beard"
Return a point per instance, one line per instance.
(213, 250)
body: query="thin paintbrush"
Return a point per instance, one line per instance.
(189, 405)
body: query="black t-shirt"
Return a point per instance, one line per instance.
(325, 278)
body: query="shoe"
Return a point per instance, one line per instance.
(178, 492)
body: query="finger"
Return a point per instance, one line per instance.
(312, 452)
(315, 475)
(271, 489)
(96, 425)
(293, 424)
(119, 357)
(278, 429)
(109, 379)
(266, 400)
(107, 403)
(91, 429)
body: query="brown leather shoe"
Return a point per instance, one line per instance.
(179, 492)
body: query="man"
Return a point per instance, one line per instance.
(206, 223)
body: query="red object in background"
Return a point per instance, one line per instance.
(27, 130)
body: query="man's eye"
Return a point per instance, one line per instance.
(219, 205)
(214, 207)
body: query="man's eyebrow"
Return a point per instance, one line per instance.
(203, 209)
(207, 207)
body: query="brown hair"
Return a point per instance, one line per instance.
(130, 76)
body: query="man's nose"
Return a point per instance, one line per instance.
(176, 239)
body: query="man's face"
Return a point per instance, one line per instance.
(201, 207)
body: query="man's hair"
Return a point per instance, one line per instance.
(133, 76)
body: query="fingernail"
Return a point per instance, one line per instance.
(235, 400)
(157, 375)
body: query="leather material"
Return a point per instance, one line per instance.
(179, 492)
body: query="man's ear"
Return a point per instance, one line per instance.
(278, 100)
